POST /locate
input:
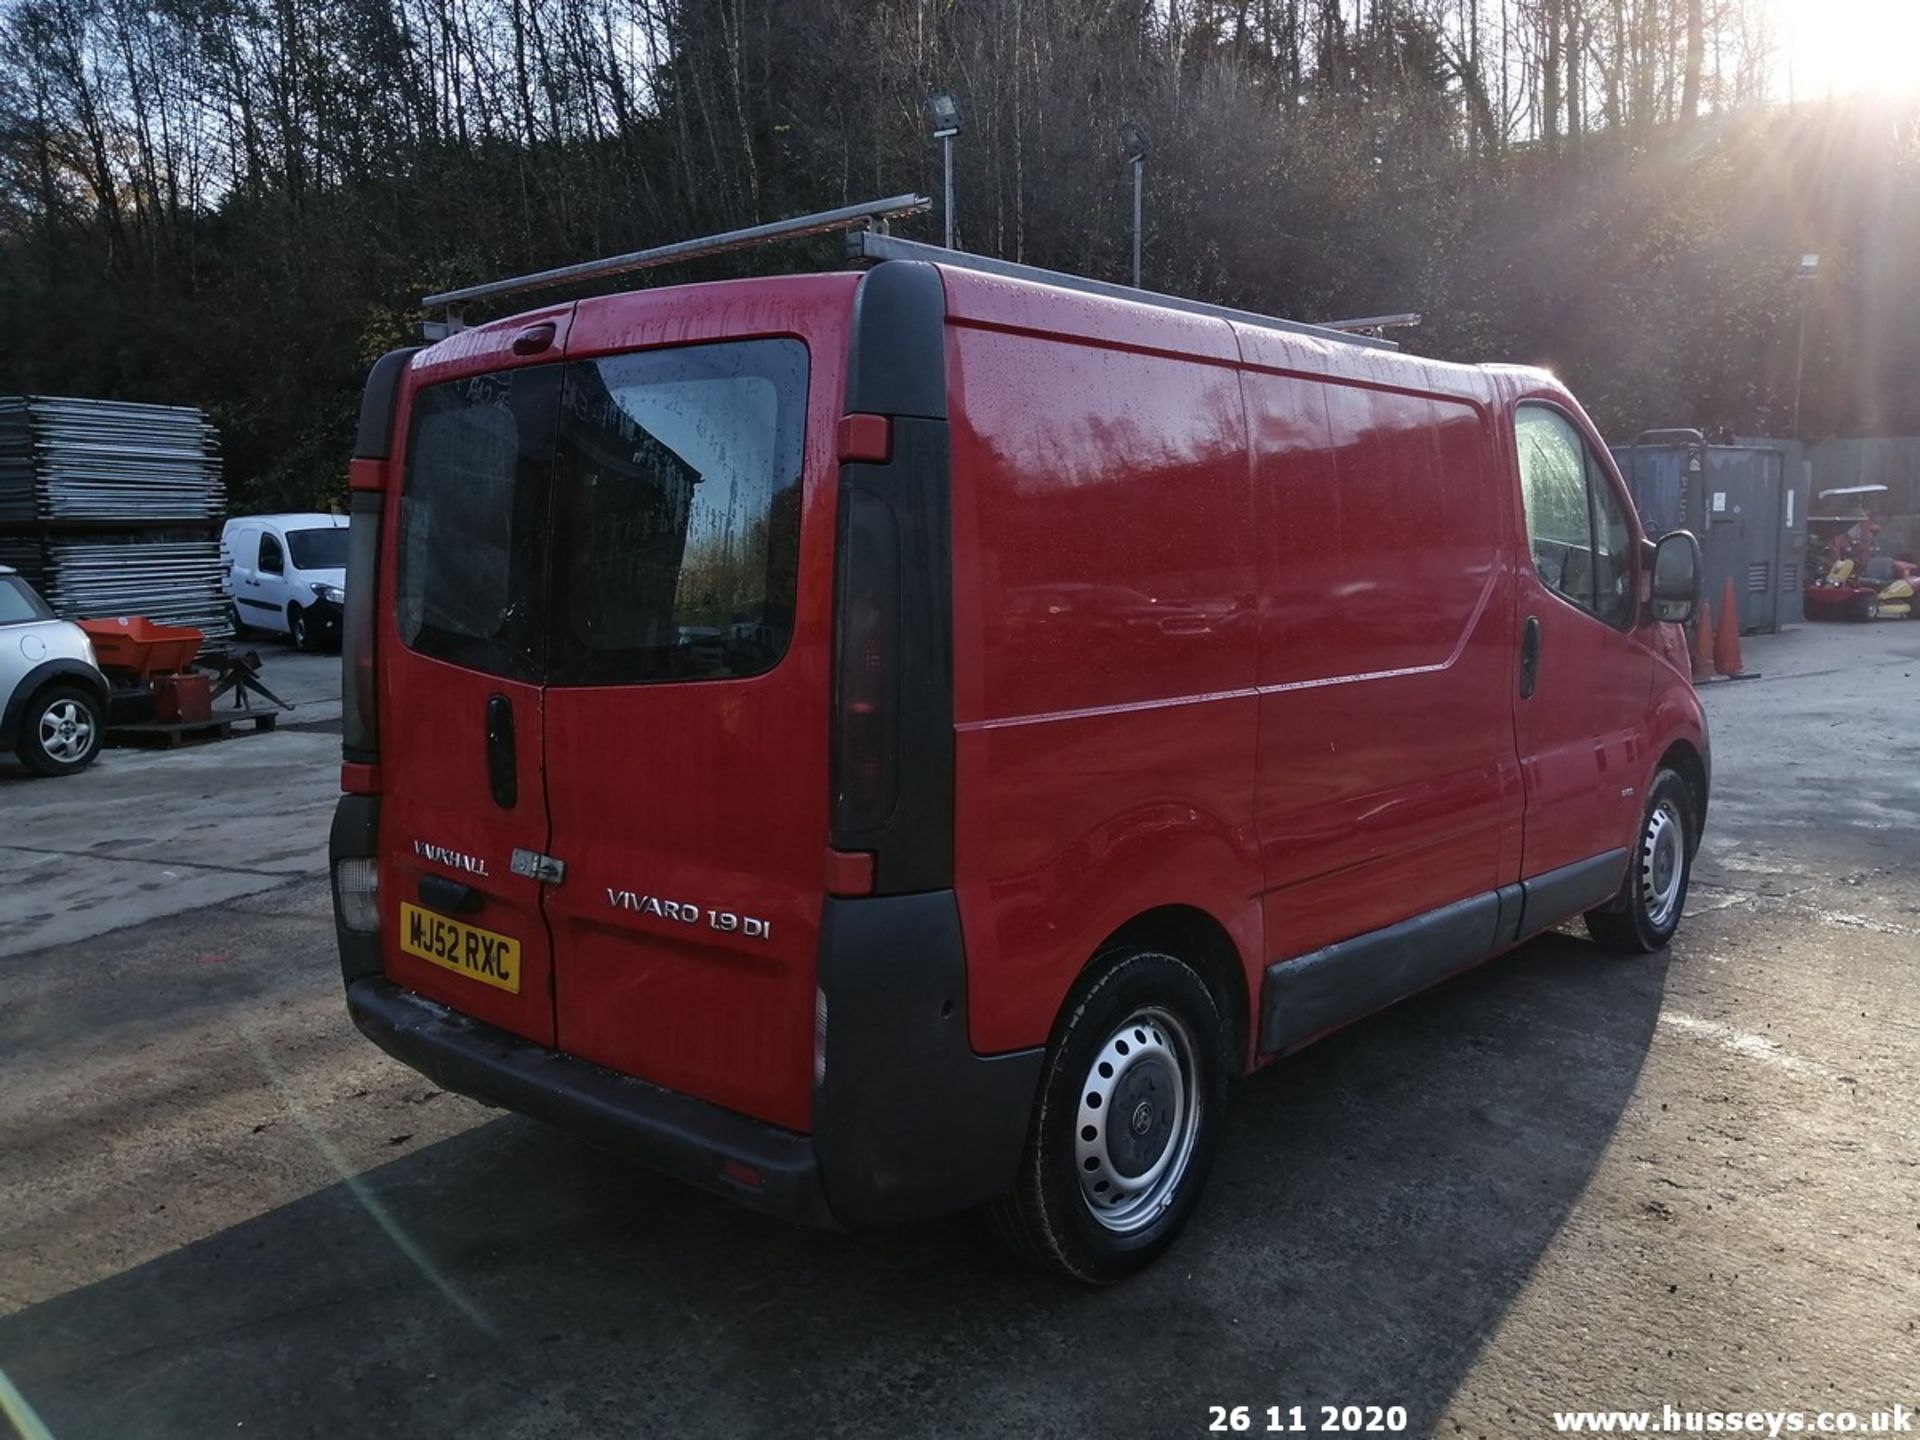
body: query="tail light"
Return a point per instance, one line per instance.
(866, 680)
(367, 480)
(356, 891)
(359, 694)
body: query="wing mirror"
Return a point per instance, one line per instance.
(1676, 577)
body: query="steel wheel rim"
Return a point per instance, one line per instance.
(1137, 1121)
(1662, 864)
(66, 732)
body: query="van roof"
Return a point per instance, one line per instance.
(293, 519)
(1109, 315)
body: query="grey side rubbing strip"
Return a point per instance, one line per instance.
(1308, 995)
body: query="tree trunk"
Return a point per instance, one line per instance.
(1696, 58)
(1550, 74)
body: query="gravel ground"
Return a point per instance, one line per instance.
(1563, 1181)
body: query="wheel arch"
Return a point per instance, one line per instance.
(35, 681)
(1193, 935)
(1682, 757)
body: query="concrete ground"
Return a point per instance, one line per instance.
(148, 832)
(1567, 1180)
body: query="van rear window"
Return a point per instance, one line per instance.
(473, 521)
(678, 513)
(614, 521)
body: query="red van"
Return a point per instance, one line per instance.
(871, 744)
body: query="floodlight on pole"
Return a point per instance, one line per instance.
(1134, 141)
(943, 113)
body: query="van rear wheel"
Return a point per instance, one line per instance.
(1123, 1136)
(1646, 912)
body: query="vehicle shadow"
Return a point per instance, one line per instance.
(1380, 1202)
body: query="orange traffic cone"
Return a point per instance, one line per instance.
(1703, 643)
(1726, 644)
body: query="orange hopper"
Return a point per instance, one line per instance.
(141, 647)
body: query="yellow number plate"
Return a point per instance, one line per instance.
(467, 950)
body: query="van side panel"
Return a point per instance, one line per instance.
(1104, 641)
(1388, 784)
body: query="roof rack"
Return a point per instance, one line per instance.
(868, 239)
(1406, 320)
(869, 245)
(873, 213)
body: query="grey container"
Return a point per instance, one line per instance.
(1747, 504)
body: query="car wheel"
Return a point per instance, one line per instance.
(61, 731)
(1123, 1135)
(239, 625)
(299, 629)
(1864, 607)
(1643, 917)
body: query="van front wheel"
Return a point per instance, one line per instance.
(1643, 917)
(1123, 1136)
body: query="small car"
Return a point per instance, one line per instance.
(53, 698)
(286, 575)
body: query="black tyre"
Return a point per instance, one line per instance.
(1864, 607)
(1646, 912)
(300, 628)
(1130, 1107)
(239, 625)
(60, 731)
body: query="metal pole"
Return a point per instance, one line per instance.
(1139, 172)
(946, 144)
(1799, 360)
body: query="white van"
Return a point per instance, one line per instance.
(286, 575)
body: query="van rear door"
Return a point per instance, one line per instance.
(687, 703)
(463, 819)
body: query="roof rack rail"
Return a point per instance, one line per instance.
(872, 213)
(1403, 321)
(869, 245)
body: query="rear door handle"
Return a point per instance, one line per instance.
(1529, 656)
(502, 770)
(449, 897)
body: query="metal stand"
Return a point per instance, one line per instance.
(239, 675)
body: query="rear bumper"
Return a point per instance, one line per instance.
(908, 1122)
(669, 1132)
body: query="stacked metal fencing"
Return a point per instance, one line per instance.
(111, 508)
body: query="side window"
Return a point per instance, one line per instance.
(1577, 528)
(271, 562)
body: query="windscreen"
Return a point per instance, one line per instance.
(319, 549)
(612, 521)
